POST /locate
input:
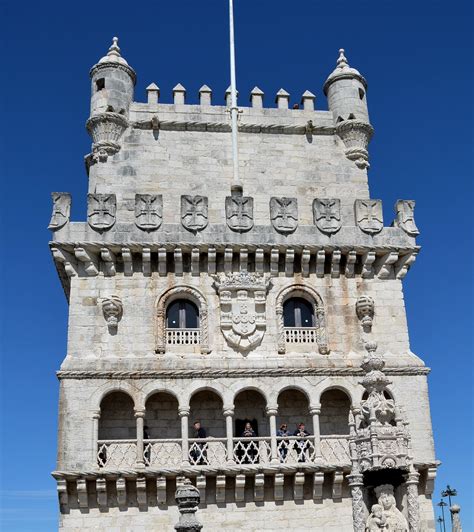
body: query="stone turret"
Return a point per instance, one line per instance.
(112, 90)
(346, 91)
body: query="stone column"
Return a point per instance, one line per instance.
(455, 519)
(314, 411)
(272, 412)
(187, 498)
(140, 417)
(412, 500)
(229, 431)
(95, 435)
(356, 484)
(184, 415)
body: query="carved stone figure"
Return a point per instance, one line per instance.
(376, 520)
(112, 309)
(242, 299)
(395, 520)
(194, 212)
(406, 217)
(101, 209)
(239, 212)
(284, 214)
(61, 210)
(327, 215)
(365, 312)
(369, 215)
(148, 211)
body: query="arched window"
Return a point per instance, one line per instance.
(182, 314)
(298, 312)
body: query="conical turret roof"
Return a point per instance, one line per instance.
(343, 71)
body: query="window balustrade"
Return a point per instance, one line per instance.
(183, 336)
(301, 335)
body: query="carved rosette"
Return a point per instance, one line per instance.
(243, 301)
(356, 136)
(106, 130)
(61, 210)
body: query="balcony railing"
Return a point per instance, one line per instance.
(292, 450)
(301, 335)
(183, 336)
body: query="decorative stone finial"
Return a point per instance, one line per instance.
(205, 95)
(187, 498)
(282, 99)
(256, 97)
(342, 60)
(307, 100)
(113, 55)
(153, 92)
(179, 93)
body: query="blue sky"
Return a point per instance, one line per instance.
(417, 58)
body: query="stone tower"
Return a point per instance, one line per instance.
(278, 304)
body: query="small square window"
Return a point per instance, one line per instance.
(100, 84)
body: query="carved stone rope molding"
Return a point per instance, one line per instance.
(224, 127)
(219, 373)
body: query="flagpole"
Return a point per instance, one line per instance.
(234, 110)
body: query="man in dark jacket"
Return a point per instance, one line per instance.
(198, 450)
(302, 445)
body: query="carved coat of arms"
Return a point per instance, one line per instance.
(369, 215)
(194, 212)
(406, 217)
(243, 301)
(148, 211)
(239, 212)
(327, 214)
(101, 209)
(284, 214)
(61, 210)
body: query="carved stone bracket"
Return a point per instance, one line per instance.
(356, 136)
(106, 129)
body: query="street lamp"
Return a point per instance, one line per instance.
(442, 505)
(449, 492)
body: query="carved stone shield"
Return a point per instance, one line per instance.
(194, 211)
(327, 214)
(239, 212)
(406, 217)
(243, 301)
(148, 211)
(369, 215)
(101, 209)
(284, 214)
(61, 210)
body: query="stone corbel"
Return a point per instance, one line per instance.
(162, 262)
(320, 260)
(211, 261)
(244, 260)
(384, 264)
(239, 488)
(161, 490)
(109, 260)
(101, 490)
(305, 258)
(318, 481)
(335, 261)
(259, 255)
(350, 263)
(403, 264)
(127, 262)
(368, 260)
(337, 485)
(121, 487)
(430, 481)
(141, 492)
(62, 492)
(88, 259)
(195, 262)
(298, 485)
(274, 260)
(201, 482)
(146, 261)
(228, 257)
(82, 494)
(66, 259)
(112, 310)
(220, 489)
(258, 492)
(289, 262)
(178, 262)
(279, 486)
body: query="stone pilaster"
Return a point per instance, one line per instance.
(356, 485)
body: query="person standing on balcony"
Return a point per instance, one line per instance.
(250, 448)
(147, 453)
(199, 452)
(302, 444)
(282, 432)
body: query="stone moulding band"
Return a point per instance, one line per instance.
(224, 127)
(220, 373)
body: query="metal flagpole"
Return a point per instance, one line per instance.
(234, 110)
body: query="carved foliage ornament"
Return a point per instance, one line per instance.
(243, 302)
(194, 212)
(406, 217)
(327, 214)
(148, 211)
(284, 214)
(369, 216)
(112, 310)
(239, 212)
(101, 209)
(61, 210)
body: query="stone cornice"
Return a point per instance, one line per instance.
(235, 373)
